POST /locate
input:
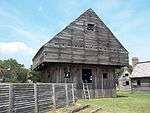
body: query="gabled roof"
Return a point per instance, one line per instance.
(76, 44)
(142, 69)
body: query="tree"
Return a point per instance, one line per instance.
(35, 76)
(1, 71)
(13, 71)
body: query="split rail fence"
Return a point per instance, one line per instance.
(35, 98)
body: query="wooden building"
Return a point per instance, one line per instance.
(140, 77)
(85, 51)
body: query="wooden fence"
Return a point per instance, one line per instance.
(35, 98)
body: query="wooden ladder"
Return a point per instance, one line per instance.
(86, 91)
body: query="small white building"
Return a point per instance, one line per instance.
(124, 80)
(140, 77)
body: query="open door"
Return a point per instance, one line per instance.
(87, 75)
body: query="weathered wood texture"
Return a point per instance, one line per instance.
(77, 44)
(100, 87)
(143, 86)
(34, 98)
(4, 98)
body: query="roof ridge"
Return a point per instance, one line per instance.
(90, 9)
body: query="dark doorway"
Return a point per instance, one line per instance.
(127, 83)
(87, 75)
(138, 82)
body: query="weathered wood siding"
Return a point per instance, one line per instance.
(4, 98)
(77, 47)
(35, 98)
(77, 44)
(22, 98)
(100, 87)
(144, 84)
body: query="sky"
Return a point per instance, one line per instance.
(26, 25)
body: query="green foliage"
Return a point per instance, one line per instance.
(1, 70)
(13, 71)
(1, 67)
(34, 76)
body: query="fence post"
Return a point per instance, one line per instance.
(53, 96)
(66, 89)
(11, 98)
(36, 98)
(73, 98)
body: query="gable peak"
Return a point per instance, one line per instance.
(90, 10)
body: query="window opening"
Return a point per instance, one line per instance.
(90, 27)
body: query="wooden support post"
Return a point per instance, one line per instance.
(66, 89)
(73, 97)
(102, 86)
(53, 97)
(11, 98)
(36, 98)
(96, 86)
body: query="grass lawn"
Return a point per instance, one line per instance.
(126, 102)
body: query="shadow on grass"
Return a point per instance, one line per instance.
(122, 96)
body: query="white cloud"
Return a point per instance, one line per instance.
(15, 47)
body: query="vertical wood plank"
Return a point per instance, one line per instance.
(11, 98)
(36, 98)
(53, 97)
(102, 83)
(73, 97)
(96, 85)
(66, 89)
